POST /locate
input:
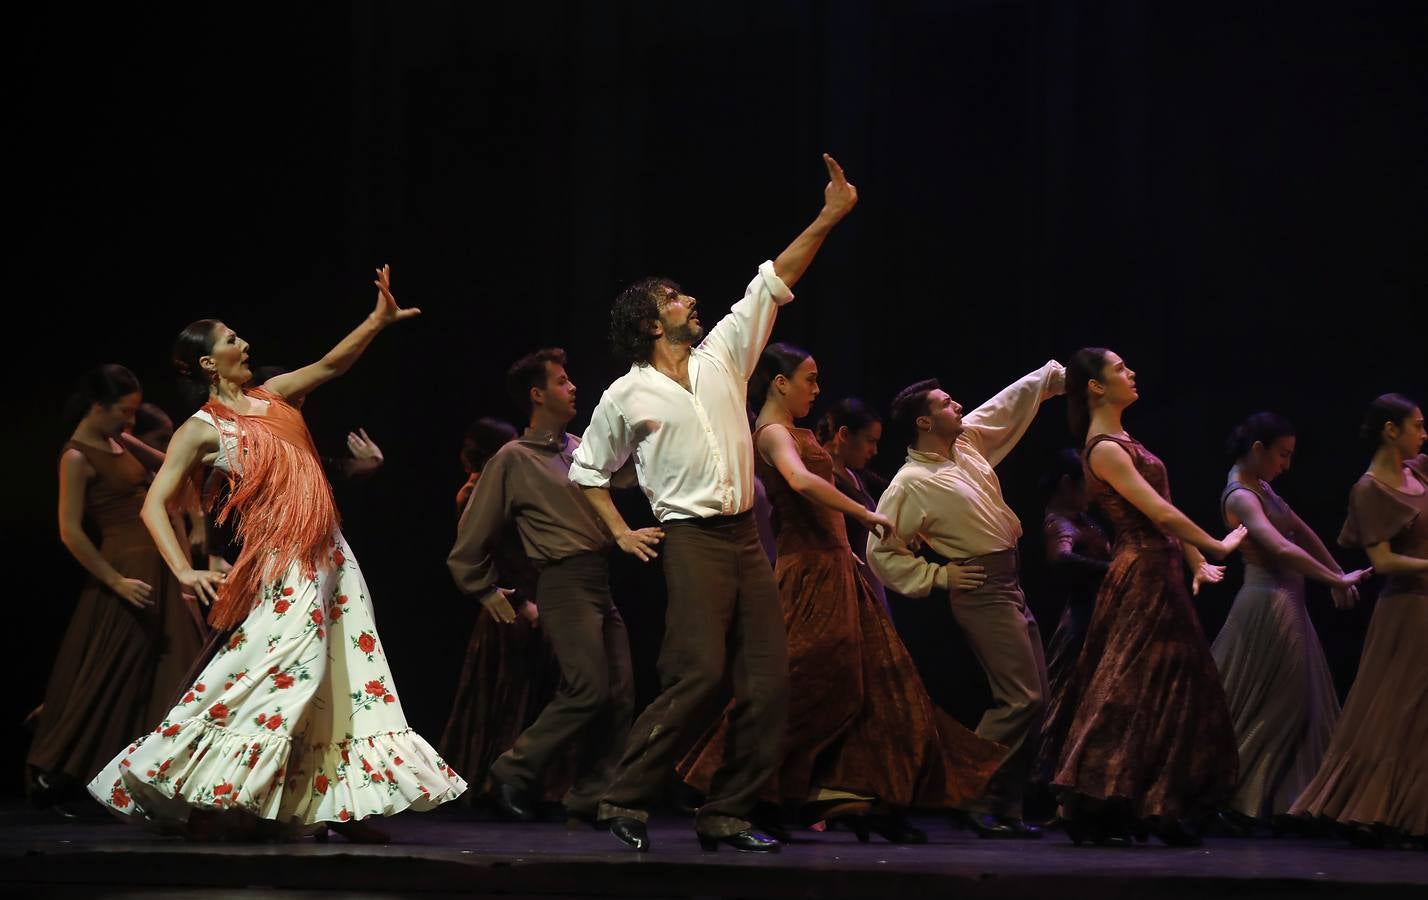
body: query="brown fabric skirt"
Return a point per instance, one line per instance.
(118, 669)
(1151, 725)
(860, 721)
(1376, 769)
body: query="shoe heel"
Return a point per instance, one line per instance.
(860, 828)
(710, 844)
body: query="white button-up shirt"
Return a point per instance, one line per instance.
(693, 454)
(956, 505)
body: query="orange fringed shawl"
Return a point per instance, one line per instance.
(285, 509)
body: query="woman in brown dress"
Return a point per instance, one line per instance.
(1276, 679)
(134, 634)
(1374, 778)
(1150, 746)
(864, 742)
(850, 432)
(510, 672)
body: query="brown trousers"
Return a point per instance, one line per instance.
(724, 619)
(597, 690)
(1004, 635)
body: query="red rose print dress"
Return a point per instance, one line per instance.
(296, 719)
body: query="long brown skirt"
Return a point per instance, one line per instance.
(118, 669)
(1151, 725)
(860, 721)
(1376, 769)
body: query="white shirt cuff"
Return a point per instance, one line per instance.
(588, 477)
(774, 284)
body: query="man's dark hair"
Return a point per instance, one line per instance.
(529, 372)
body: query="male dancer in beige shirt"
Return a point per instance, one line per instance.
(948, 495)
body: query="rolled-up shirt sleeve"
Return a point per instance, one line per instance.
(895, 565)
(604, 447)
(739, 338)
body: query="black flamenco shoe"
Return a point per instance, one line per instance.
(989, 826)
(631, 832)
(891, 827)
(1173, 834)
(512, 804)
(1235, 823)
(1081, 831)
(747, 841)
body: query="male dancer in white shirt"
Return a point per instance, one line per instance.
(948, 495)
(680, 412)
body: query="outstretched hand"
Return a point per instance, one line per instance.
(387, 311)
(1206, 574)
(839, 197)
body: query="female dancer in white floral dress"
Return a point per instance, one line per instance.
(295, 722)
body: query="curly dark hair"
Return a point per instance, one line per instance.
(635, 310)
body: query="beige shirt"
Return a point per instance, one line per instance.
(956, 505)
(693, 454)
(527, 481)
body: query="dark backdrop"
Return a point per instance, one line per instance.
(1231, 195)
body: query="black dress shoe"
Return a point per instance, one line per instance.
(993, 827)
(511, 803)
(744, 841)
(631, 832)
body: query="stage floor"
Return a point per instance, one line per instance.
(455, 854)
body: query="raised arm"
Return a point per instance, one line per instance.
(1113, 465)
(839, 198)
(998, 424)
(191, 443)
(740, 336)
(778, 448)
(299, 383)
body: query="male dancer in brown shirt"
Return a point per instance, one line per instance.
(527, 482)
